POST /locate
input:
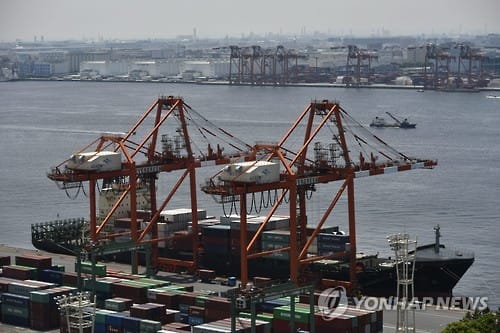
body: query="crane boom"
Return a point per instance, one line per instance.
(392, 116)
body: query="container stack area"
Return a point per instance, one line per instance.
(128, 303)
(29, 290)
(221, 243)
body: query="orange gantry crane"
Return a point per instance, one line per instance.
(305, 162)
(351, 152)
(120, 159)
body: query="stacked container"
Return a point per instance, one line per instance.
(277, 239)
(44, 311)
(331, 243)
(16, 309)
(243, 325)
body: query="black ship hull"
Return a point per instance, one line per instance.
(432, 279)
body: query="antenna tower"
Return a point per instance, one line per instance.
(405, 250)
(79, 310)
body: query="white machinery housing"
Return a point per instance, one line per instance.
(260, 172)
(95, 161)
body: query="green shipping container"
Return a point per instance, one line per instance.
(149, 326)
(276, 236)
(15, 311)
(40, 296)
(100, 315)
(301, 315)
(156, 283)
(200, 300)
(86, 267)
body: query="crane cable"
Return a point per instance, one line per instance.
(218, 129)
(73, 197)
(368, 133)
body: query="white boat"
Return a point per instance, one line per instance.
(381, 122)
(492, 96)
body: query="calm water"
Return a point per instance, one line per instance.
(42, 123)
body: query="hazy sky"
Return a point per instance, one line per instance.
(127, 19)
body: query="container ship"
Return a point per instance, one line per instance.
(437, 268)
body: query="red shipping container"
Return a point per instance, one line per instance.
(4, 261)
(188, 298)
(138, 294)
(4, 284)
(171, 300)
(197, 311)
(19, 273)
(281, 325)
(36, 261)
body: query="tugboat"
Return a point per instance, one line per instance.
(381, 122)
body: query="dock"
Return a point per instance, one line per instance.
(430, 320)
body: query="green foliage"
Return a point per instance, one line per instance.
(476, 322)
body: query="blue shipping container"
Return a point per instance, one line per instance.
(131, 325)
(115, 319)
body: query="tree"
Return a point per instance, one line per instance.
(476, 322)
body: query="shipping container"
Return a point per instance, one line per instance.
(88, 268)
(36, 261)
(20, 272)
(131, 325)
(118, 304)
(4, 261)
(149, 326)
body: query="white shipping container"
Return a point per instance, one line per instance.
(277, 221)
(230, 218)
(251, 225)
(181, 215)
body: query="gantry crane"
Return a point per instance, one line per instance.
(301, 173)
(362, 64)
(255, 65)
(132, 164)
(440, 58)
(467, 56)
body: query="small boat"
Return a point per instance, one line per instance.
(420, 90)
(381, 122)
(492, 96)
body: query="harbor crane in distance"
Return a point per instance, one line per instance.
(362, 65)
(131, 164)
(305, 163)
(256, 66)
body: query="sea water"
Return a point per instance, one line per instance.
(43, 123)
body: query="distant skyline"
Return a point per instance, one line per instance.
(157, 19)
